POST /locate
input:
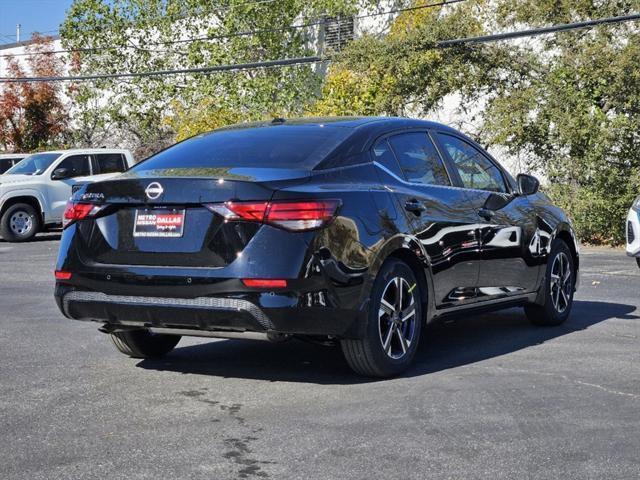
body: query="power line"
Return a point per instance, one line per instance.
(316, 59)
(236, 34)
(282, 62)
(538, 31)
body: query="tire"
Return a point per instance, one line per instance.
(144, 344)
(558, 297)
(638, 261)
(20, 223)
(368, 356)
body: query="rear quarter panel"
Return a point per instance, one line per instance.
(345, 251)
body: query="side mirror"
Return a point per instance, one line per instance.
(527, 184)
(60, 174)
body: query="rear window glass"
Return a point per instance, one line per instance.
(110, 162)
(296, 147)
(6, 164)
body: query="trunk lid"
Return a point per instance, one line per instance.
(202, 238)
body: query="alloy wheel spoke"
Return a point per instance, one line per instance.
(403, 341)
(564, 297)
(399, 293)
(386, 307)
(408, 312)
(556, 299)
(560, 265)
(386, 345)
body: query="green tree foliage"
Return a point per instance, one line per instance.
(401, 73)
(569, 103)
(151, 109)
(576, 114)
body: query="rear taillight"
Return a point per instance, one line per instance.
(62, 275)
(296, 216)
(77, 211)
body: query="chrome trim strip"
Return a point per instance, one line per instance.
(211, 334)
(213, 303)
(529, 297)
(402, 180)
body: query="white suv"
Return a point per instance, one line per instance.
(34, 192)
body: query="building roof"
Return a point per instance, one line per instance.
(25, 43)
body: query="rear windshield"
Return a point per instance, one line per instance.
(296, 147)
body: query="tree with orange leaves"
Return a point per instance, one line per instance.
(33, 115)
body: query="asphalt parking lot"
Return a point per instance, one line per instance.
(489, 397)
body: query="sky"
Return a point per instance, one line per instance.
(33, 15)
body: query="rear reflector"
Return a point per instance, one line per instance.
(297, 216)
(77, 211)
(60, 275)
(264, 283)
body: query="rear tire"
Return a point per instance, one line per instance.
(20, 223)
(393, 326)
(143, 343)
(558, 287)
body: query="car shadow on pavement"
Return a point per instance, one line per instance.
(445, 345)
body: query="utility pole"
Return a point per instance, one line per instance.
(18, 32)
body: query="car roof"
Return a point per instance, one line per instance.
(87, 150)
(364, 131)
(14, 155)
(345, 122)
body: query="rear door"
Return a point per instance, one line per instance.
(508, 221)
(108, 163)
(438, 214)
(59, 191)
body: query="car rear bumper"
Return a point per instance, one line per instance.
(258, 312)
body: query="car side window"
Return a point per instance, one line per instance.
(110, 162)
(381, 153)
(419, 159)
(476, 170)
(6, 164)
(78, 165)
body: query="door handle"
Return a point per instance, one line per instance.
(486, 213)
(414, 206)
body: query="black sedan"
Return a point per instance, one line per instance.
(357, 231)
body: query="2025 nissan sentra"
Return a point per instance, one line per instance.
(357, 231)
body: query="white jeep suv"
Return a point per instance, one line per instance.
(34, 192)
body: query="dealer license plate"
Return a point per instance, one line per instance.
(165, 222)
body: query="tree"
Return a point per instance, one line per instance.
(568, 103)
(576, 113)
(132, 36)
(33, 115)
(402, 73)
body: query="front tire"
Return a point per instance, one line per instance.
(393, 327)
(20, 223)
(143, 343)
(558, 288)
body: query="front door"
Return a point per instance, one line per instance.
(508, 221)
(439, 216)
